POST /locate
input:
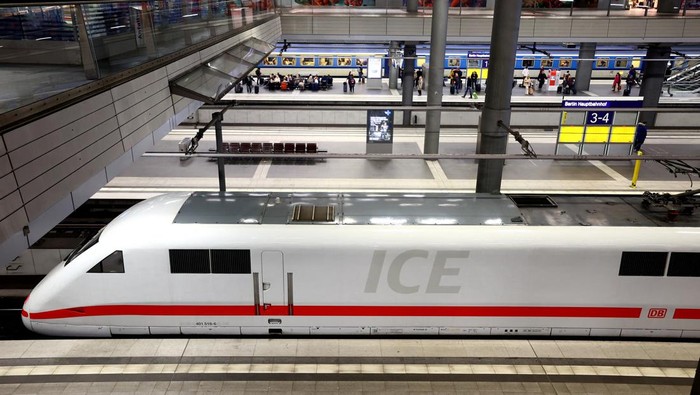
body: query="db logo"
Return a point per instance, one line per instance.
(657, 313)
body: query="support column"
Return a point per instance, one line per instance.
(653, 79)
(493, 140)
(584, 69)
(438, 42)
(393, 66)
(409, 61)
(220, 149)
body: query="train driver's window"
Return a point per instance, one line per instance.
(83, 247)
(113, 263)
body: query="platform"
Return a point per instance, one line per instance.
(150, 176)
(399, 366)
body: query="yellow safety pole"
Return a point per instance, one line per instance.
(637, 166)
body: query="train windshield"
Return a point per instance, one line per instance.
(83, 247)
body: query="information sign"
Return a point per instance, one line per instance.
(599, 117)
(380, 126)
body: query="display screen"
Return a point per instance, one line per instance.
(380, 126)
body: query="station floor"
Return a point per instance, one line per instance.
(300, 366)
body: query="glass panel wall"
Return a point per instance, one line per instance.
(42, 54)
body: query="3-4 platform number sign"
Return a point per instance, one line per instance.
(599, 117)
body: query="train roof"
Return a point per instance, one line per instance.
(420, 209)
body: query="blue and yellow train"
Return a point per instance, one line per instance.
(308, 59)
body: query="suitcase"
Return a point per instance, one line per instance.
(257, 89)
(559, 89)
(567, 91)
(345, 87)
(626, 92)
(239, 88)
(452, 90)
(478, 86)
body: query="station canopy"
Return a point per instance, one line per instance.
(211, 81)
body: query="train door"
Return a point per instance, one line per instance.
(272, 274)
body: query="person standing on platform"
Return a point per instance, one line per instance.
(258, 75)
(526, 73)
(471, 86)
(541, 78)
(527, 83)
(640, 134)
(351, 82)
(360, 75)
(617, 83)
(631, 78)
(459, 79)
(419, 85)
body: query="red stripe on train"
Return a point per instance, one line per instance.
(373, 311)
(88, 311)
(471, 311)
(686, 314)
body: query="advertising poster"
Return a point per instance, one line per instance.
(380, 126)
(374, 68)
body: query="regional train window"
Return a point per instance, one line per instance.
(621, 63)
(684, 264)
(113, 263)
(230, 261)
(189, 261)
(643, 263)
(528, 62)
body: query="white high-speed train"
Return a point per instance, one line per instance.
(237, 263)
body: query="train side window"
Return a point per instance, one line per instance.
(189, 261)
(643, 263)
(113, 263)
(230, 261)
(684, 264)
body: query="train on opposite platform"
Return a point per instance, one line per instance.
(308, 59)
(368, 264)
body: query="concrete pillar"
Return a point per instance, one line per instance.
(438, 42)
(653, 78)
(584, 69)
(492, 139)
(409, 60)
(393, 66)
(218, 117)
(87, 53)
(412, 6)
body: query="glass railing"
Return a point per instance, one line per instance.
(467, 7)
(42, 52)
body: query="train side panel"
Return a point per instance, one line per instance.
(383, 279)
